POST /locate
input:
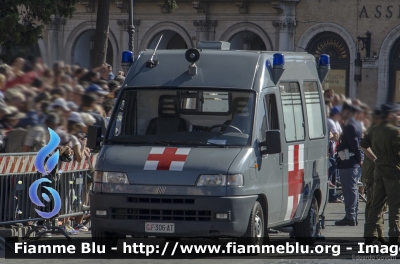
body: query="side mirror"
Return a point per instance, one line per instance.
(272, 142)
(94, 138)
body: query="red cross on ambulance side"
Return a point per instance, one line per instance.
(295, 179)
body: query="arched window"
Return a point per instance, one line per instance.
(170, 40)
(332, 44)
(82, 53)
(394, 73)
(247, 40)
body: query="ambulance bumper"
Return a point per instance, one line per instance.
(192, 216)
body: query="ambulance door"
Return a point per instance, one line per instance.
(316, 166)
(293, 150)
(271, 169)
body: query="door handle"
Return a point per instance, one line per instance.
(281, 158)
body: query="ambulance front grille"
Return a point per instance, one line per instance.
(160, 200)
(167, 215)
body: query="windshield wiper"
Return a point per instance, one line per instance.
(196, 142)
(160, 142)
(133, 139)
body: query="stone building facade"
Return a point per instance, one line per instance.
(341, 28)
(256, 24)
(314, 26)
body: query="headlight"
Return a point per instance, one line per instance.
(220, 180)
(211, 180)
(111, 177)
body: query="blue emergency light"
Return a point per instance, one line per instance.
(279, 60)
(127, 60)
(324, 66)
(127, 57)
(324, 60)
(277, 67)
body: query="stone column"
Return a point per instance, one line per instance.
(286, 24)
(291, 27)
(211, 34)
(205, 29)
(284, 34)
(55, 40)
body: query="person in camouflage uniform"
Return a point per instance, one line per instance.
(368, 168)
(384, 141)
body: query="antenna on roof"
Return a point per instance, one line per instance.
(153, 63)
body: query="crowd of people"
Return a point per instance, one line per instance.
(364, 155)
(69, 98)
(64, 98)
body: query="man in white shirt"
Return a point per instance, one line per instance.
(335, 130)
(334, 123)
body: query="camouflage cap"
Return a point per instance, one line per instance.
(389, 107)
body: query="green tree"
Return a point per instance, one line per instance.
(171, 4)
(22, 21)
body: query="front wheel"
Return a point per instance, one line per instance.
(306, 232)
(255, 229)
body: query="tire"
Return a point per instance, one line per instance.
(256, 227)
(306, 232)
(105, 238)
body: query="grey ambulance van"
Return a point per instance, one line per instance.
(211, 142)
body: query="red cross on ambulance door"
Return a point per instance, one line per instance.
(295, 179)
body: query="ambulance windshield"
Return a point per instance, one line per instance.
(199, 117)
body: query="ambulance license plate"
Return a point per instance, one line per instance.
(160, 227)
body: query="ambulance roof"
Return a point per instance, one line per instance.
(215, 68)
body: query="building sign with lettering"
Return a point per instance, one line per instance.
(379, 11)
(336, 80)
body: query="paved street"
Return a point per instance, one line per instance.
(333, 212)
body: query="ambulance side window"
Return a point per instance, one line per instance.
(118, 122)
(271, 120)
(124, 123)
(272, 112)
(292, 111)
(314, 110)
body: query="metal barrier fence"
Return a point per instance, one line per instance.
(17, 173)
